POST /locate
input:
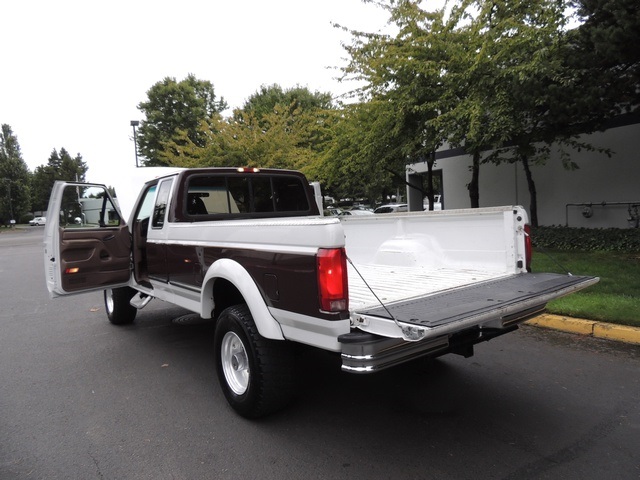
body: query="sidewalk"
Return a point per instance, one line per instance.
(610, 331)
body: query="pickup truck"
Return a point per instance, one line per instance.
(250, 249)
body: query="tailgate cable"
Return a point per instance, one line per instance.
(542, 250)
(409, 332)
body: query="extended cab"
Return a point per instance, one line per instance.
(250, 249)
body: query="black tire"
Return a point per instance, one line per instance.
(256, 374)
(116, 303)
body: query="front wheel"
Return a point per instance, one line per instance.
(116, 302)
(255, 373)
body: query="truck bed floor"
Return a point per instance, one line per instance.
(392, 284)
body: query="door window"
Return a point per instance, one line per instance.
(160, 207)
(88, 207)
(146, 206)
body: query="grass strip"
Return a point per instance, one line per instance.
(615, 299)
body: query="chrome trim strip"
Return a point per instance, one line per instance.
(368, 357)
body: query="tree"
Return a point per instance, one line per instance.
(550, 101)
(272, 107)
(265, 133)
(490, 76)
(280, 139)
(404, 88)
(511, 69)
(14, 177)
(532, 95)
(347, 168)
(264, 101)
(172, 107)
(602, 52)
(60, 166)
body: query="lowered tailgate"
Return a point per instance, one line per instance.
(450, 320)
(496, 303)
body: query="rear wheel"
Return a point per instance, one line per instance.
(255, 373)
(116, 302)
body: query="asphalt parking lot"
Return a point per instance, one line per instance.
(80, 398)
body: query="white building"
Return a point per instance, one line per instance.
(603, 192)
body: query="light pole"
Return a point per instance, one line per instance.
(134, 124)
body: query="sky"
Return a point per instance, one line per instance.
(74, 72)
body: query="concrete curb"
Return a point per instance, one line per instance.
(610, 331)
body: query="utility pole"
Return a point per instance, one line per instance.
(134, 124)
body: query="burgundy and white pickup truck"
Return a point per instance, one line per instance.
(251, 249)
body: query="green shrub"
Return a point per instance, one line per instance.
(26, 217)
(587, 239)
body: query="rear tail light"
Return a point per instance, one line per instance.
(332, 280)
(528, 249)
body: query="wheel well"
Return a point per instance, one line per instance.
(225, 294)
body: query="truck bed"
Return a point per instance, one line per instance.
(416, 276)
(394, 283)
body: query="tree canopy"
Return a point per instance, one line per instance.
(264, 101)
(14, 177)
(174, 107)
(495, 77)
(604, 50)
(60, 166)
(405, 89)
(268, 133)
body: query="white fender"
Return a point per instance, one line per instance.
(236, 274)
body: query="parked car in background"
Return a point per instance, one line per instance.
(362, 207)
(437, 203)
(37, 221)
(391, 208)
(332, 211)
(356, 212)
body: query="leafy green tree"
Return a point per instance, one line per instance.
(305, 111)
(14, 178)
(540, 102)
(60, 166)
(279, 139)
(264, 101)
(265, 133)
(485, 75)
(349, 166)
(604, 55)
(402, 92)
(172, 107)
(509, 71)
(525, 94)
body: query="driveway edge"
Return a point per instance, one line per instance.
(610, 331)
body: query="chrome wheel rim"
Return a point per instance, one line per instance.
(108, 297)
(235, 363)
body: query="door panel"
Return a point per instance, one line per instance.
(94, 258)
(87, 245)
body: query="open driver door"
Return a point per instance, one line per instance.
(87, 244)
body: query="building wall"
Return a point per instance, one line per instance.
(600, 181)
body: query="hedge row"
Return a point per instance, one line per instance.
(587, 239)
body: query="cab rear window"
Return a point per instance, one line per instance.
(211, 196)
